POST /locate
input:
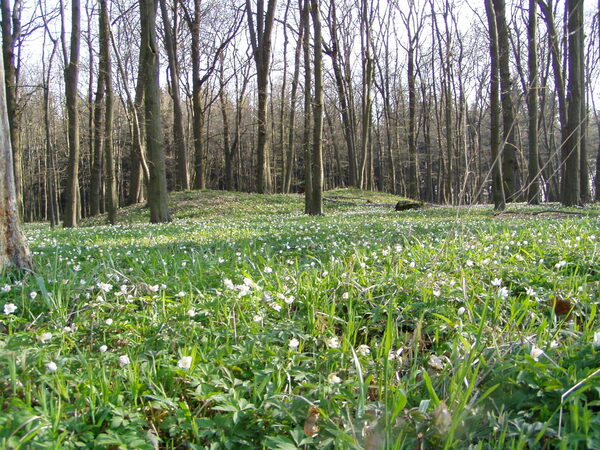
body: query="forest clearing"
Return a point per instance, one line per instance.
(246, 324)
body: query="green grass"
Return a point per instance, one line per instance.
(381, 329)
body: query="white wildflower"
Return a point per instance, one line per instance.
(108, 322)
(104, 287)
(461, 310)
(503, 292)
(332, 378)
(497, 282)
(364, 350)
(185, 362)
(180, 294)
(333, 342)
(294, 343)
(228, 283)
(435, 362)
(536, 352)
(191, 312)
(33, 295)
(51, 366)
(9, 308)
(124, 360)
(45, 337)
(529, 291)
(268, 270)
(257, 318)
(103, 348)
(345, 296)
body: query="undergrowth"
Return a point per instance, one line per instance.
(245, 324)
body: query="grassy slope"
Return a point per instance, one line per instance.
(438, 314)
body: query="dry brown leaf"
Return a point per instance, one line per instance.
(561, 307)
(311, 428)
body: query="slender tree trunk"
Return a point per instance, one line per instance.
(584, 176)
(260, 38)
(157, 185)
(367, 88)
(510, 167)
(533, 196)
(317, 148)
(495, 135)
(13, 245)
(112, 201)
(413, 182)
(570, 186)
(344, 97)
(72, 203)
(182, 178)
(291, 146)
(197, 110)
(11, 35)
(97, 146)
(308, 173)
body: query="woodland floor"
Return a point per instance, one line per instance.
(246, 324)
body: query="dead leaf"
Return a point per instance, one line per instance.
(311, 428)
(561, 307)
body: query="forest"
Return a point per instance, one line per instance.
(448, 102)
(307, 224)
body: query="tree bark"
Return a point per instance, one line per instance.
(72, 201)
(112, 201)
(495, 135)
(182, 178)
(316, 207)
(307, 144)
(11, 34)
(260, 39)
(510, 168)
(157, 185)
(533, 195)
(13, 246)
(570, 185)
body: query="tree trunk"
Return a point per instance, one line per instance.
(307, 145)
(112, 201)
(316, 207)
(157, 185)
(510, 167)
(72, 203)
(343, 94)
(291, 146)
(182, 178)
(533, 196)
(11, 35)
(13, 246)
(260, 38)
(570, 185)
(495, 136)
(97, 146)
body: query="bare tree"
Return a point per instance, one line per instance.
(72, 203)
(260, 40)
(157, 184)
(13, 246)
(495, 108)
(112, 201)
(570, 186)
(182, 178)
(533, 196)
(315, 206)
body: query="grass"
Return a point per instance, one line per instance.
(245, 324)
